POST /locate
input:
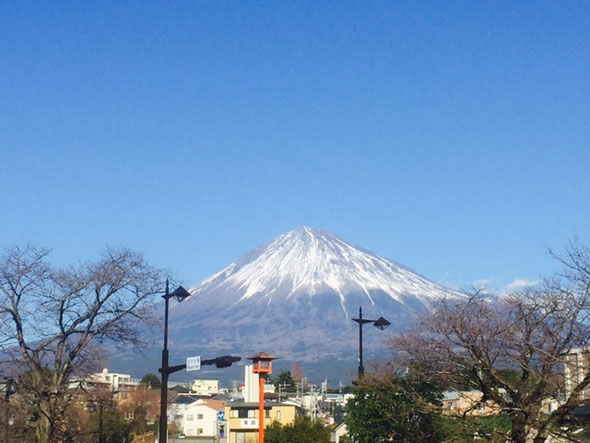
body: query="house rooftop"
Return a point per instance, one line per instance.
(263, 356)
(185, 399)
(213, 404)
(242, 404)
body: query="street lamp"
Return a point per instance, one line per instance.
(224, 361)
(179, 294)
(380, 323)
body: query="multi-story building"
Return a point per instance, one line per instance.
(251, 386)
(205, 387)
(242, 419)
(576, 366)
(114, 381)
(200, 418)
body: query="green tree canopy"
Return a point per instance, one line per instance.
(389, 408)
(285, 380)
(114, 428)
(303, 430)
(151, 380)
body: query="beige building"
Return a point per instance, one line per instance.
(467, 402)
(242, 419)
(576, 365)
(205, 387)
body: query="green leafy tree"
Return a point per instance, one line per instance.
(389, 408)
(285, 380)
(302, 430)
(465, 428)
(152, 381)
(114, 428)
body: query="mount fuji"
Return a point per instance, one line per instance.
(295, 298)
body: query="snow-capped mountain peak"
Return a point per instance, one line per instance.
(313, 262)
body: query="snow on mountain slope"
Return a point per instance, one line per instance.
(312, 262)
(295, 297)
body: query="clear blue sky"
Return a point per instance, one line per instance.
(450, 136)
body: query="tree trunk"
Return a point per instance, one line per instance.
(519, 429)
(42, 425)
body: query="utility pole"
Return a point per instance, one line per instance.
(283, 385)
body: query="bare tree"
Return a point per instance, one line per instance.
(513, 348)
(52, 321)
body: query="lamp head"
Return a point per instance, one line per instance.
(180, 294)
(381, 323)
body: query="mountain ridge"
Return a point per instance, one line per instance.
(312, 262)
(295, 297)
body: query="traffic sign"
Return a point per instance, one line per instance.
(193, 363)
(220, 415)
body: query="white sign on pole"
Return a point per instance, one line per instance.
(193, 363)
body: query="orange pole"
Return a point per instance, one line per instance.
(260, 408)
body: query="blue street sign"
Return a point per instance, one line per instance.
(220, 415)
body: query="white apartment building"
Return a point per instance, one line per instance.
(115, 381)
(110, 380)
(251, 385)
(205, 387)
(199, 419)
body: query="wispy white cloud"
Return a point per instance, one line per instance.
(520, 283)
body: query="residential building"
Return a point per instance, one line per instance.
(242, 419)
(251, 386)
(576, 366)
(205, 387)
(200, 418)
(177, 407)
(114, 381)
(338, 432)
(467, 403)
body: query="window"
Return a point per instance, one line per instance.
(250, 413)
(278, 415)
(234, 413)
(199, 416)
(189, 418)
(199, 430)
(243, 413)
(267, 413)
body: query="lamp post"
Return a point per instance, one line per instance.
(224, 361)
(179, 294)
(380, 323)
